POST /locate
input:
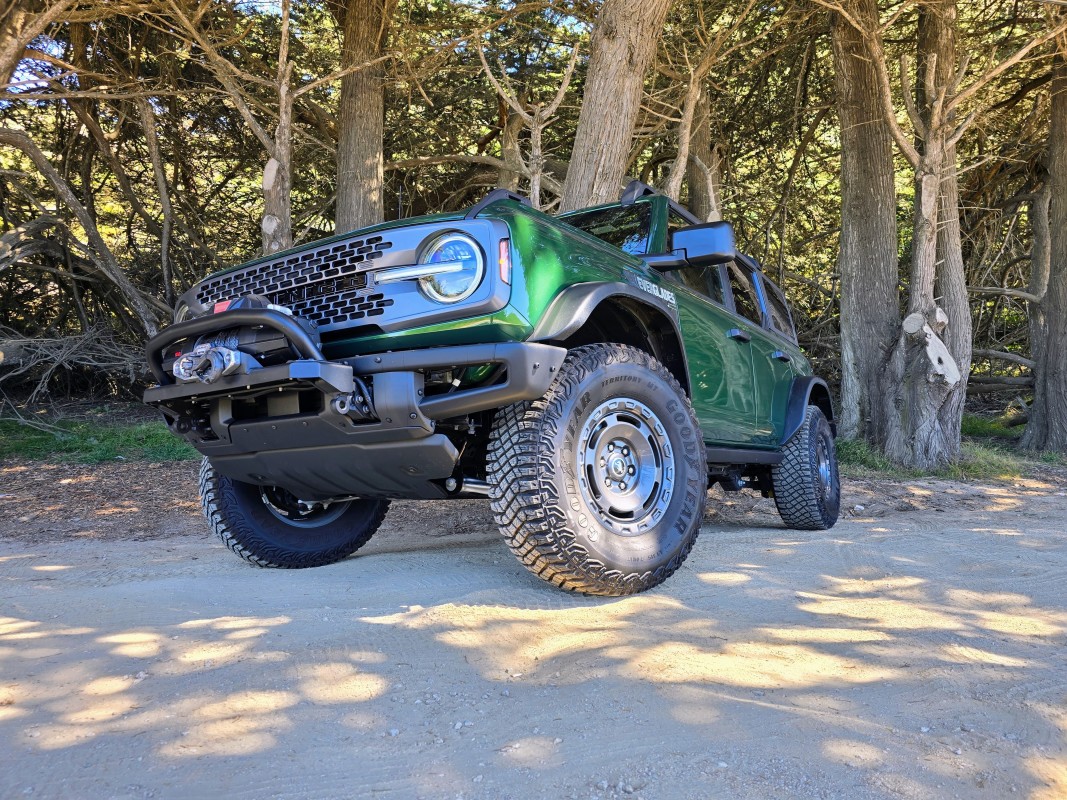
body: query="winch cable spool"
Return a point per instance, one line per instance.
(219, 353)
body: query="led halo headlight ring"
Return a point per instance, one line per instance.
(435, 285)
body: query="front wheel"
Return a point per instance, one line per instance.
(807, 487)
(269, 527)
(600, 486)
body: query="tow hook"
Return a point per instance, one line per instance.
(357, 405)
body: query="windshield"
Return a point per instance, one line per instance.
(626, 227)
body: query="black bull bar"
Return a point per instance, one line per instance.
(326, 453)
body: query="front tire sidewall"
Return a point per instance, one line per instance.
(664, 542)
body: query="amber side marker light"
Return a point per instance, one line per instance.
(504, 260)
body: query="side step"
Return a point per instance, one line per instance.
(730, 455)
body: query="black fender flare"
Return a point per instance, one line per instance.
(571, 309)
(807, 390)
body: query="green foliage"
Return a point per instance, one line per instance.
(92, 442)
(989, 428)
(772, 125)
(979, 461)
(987, 462)
(856, 458)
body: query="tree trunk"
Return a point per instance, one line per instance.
(1048, 414)
(277, 223)
(704, 173)
(624, 42)
(361, 117)
(867, 259)
(937, 41)
(509, 149)
(148, 122)
(921, 411)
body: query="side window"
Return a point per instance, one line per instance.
(778, 310)
(626, 227)
(745, 302)
(674, 222)
(705, 281)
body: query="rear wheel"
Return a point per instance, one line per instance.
(807, 487)
(599, 486)
(269, 527)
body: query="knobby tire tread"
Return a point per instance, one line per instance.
(521, 462)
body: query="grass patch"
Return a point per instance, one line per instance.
(92, 442)
(984, 462)
(989, 428)
(979, 460)
(857, 459)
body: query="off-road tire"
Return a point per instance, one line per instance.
(238, 515)
(535, 469)
(806, 499)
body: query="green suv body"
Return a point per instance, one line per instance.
(591, 373)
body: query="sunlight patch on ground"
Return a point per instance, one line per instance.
(1020, 624)
(880, 585)
(240, 724)
(828, 635)
(724, 578)
(339, 682)
(235, 623)
(1051, 773)
(217, 653)
(135, 644)
(10, 625)
(962, 654)
(884, 613)
(108, 684)
(752, 665)
(509, 635)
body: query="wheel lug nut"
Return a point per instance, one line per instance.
(611, 448)
(631, 470)
(603, 462)
(607, 482)
(622, 486)
(626, 451)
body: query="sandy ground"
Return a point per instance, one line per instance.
(914, 651)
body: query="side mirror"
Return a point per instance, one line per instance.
(704, 245)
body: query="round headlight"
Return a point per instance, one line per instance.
(465, 268)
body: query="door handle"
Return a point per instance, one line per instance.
(739, 335)
(781, 356)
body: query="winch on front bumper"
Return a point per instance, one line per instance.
(362, 426)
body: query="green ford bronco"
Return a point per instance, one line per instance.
(592, 374)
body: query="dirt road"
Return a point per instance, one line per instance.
(915, 651)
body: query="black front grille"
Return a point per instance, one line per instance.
(327, 285)
(341, 308)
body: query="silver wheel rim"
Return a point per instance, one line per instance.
(285, 506)
(825, 468)
(625, 465)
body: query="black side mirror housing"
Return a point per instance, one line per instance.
(707, 244)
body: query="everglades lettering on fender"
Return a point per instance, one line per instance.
(663, 294)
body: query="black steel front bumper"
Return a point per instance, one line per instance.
(396, 452)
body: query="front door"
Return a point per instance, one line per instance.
(720, 368)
